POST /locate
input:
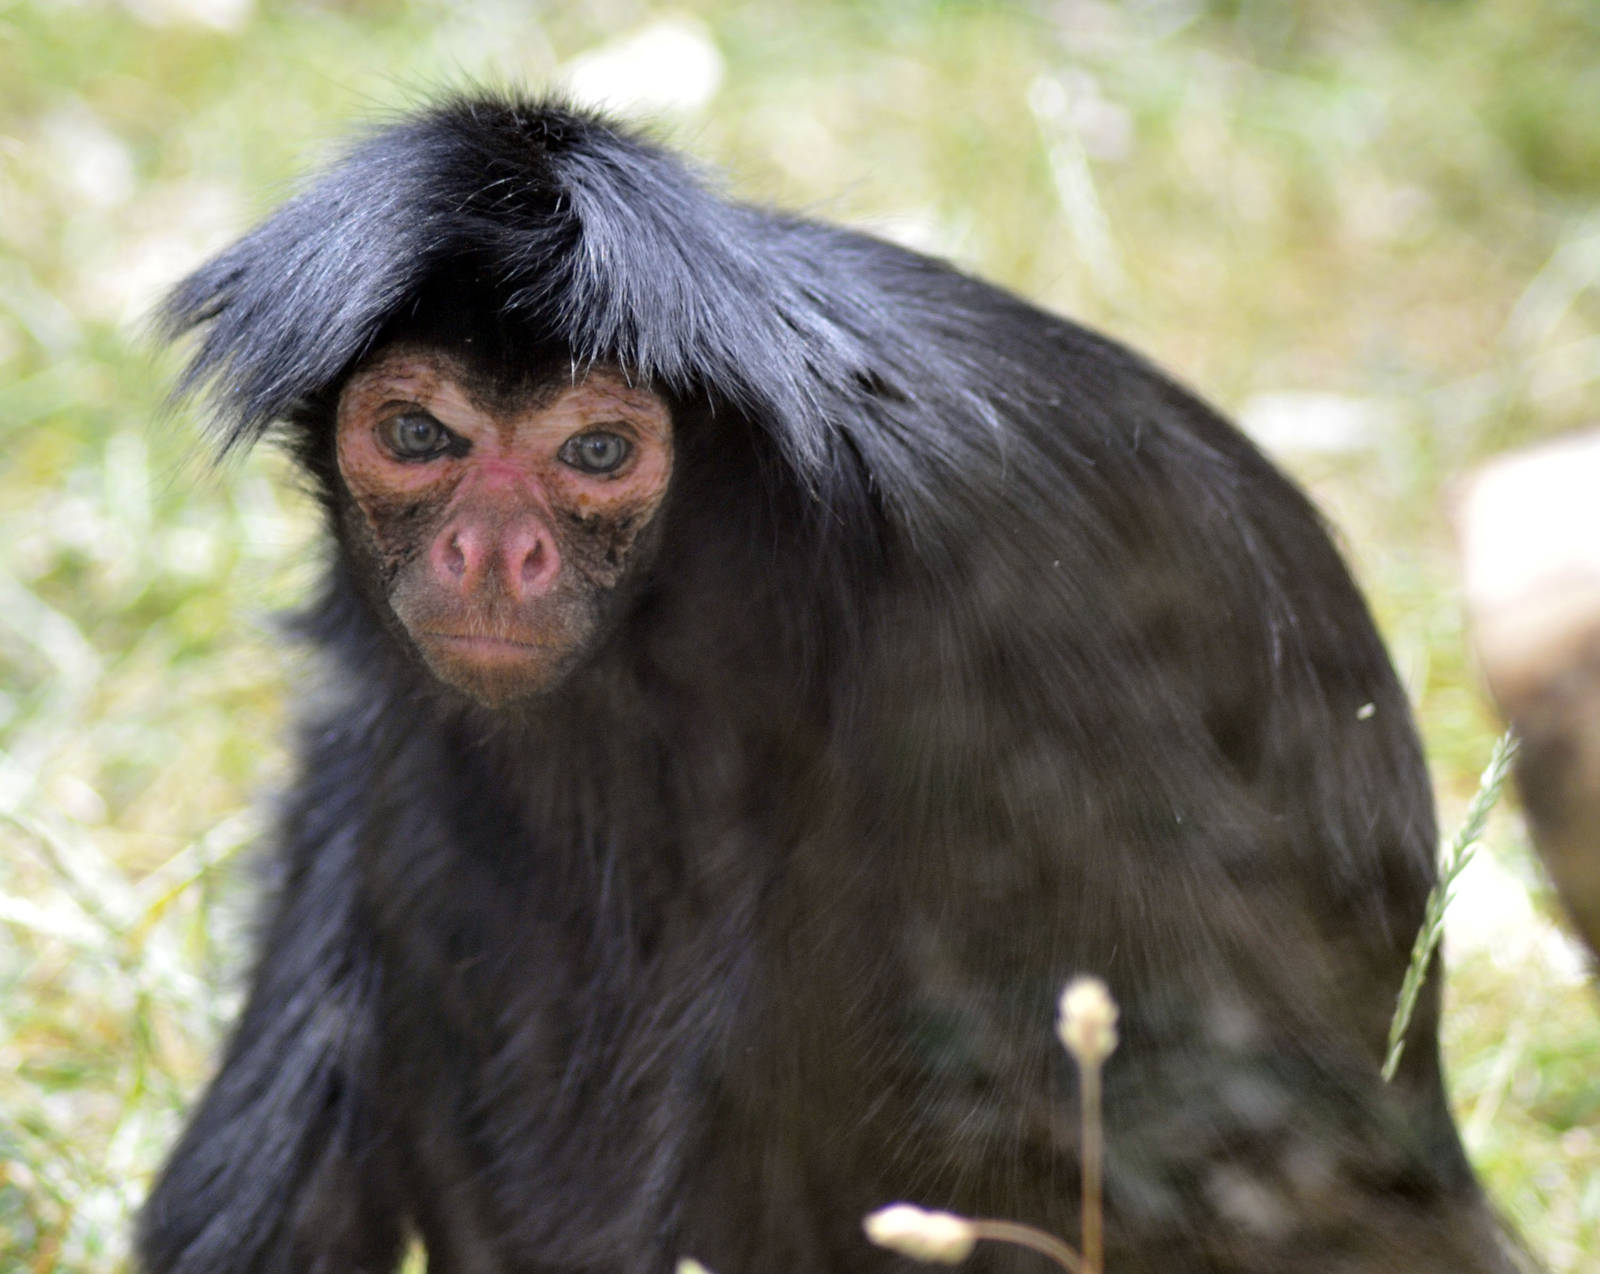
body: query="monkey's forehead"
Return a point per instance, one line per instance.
(426, 375)
(572, 233)
(424, 369)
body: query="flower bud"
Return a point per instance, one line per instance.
(923, 1236)
(1088, 1021)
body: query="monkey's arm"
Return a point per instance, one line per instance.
(283, 1167)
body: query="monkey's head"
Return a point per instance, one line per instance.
(497, 520)
(412, 320)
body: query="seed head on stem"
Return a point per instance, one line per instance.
(1088, 1021)
(1088, 1027)
(911, 1231)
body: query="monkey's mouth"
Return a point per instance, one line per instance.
(485, 645)
(495, 668)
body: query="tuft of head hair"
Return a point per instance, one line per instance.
(593, 240)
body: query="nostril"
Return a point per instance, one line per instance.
(533, 563)
(457, 556)
(455, 561)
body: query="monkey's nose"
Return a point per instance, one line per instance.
(523, 559)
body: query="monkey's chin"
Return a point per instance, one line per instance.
(495, 671)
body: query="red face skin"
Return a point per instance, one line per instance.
(499, 525)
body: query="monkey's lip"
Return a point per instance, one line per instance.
(485, 645)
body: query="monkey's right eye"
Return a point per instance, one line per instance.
(415, 435)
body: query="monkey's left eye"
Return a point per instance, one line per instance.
(415, 436)
(596, 451)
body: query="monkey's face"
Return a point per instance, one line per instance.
(496, 525)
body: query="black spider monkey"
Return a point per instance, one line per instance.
(768, 663)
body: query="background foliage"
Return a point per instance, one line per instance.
(1368, 228)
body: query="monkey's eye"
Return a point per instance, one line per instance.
(596, 451)
(415, 435)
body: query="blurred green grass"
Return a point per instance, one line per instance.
(1380, 216)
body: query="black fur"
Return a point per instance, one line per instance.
(976, 654)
